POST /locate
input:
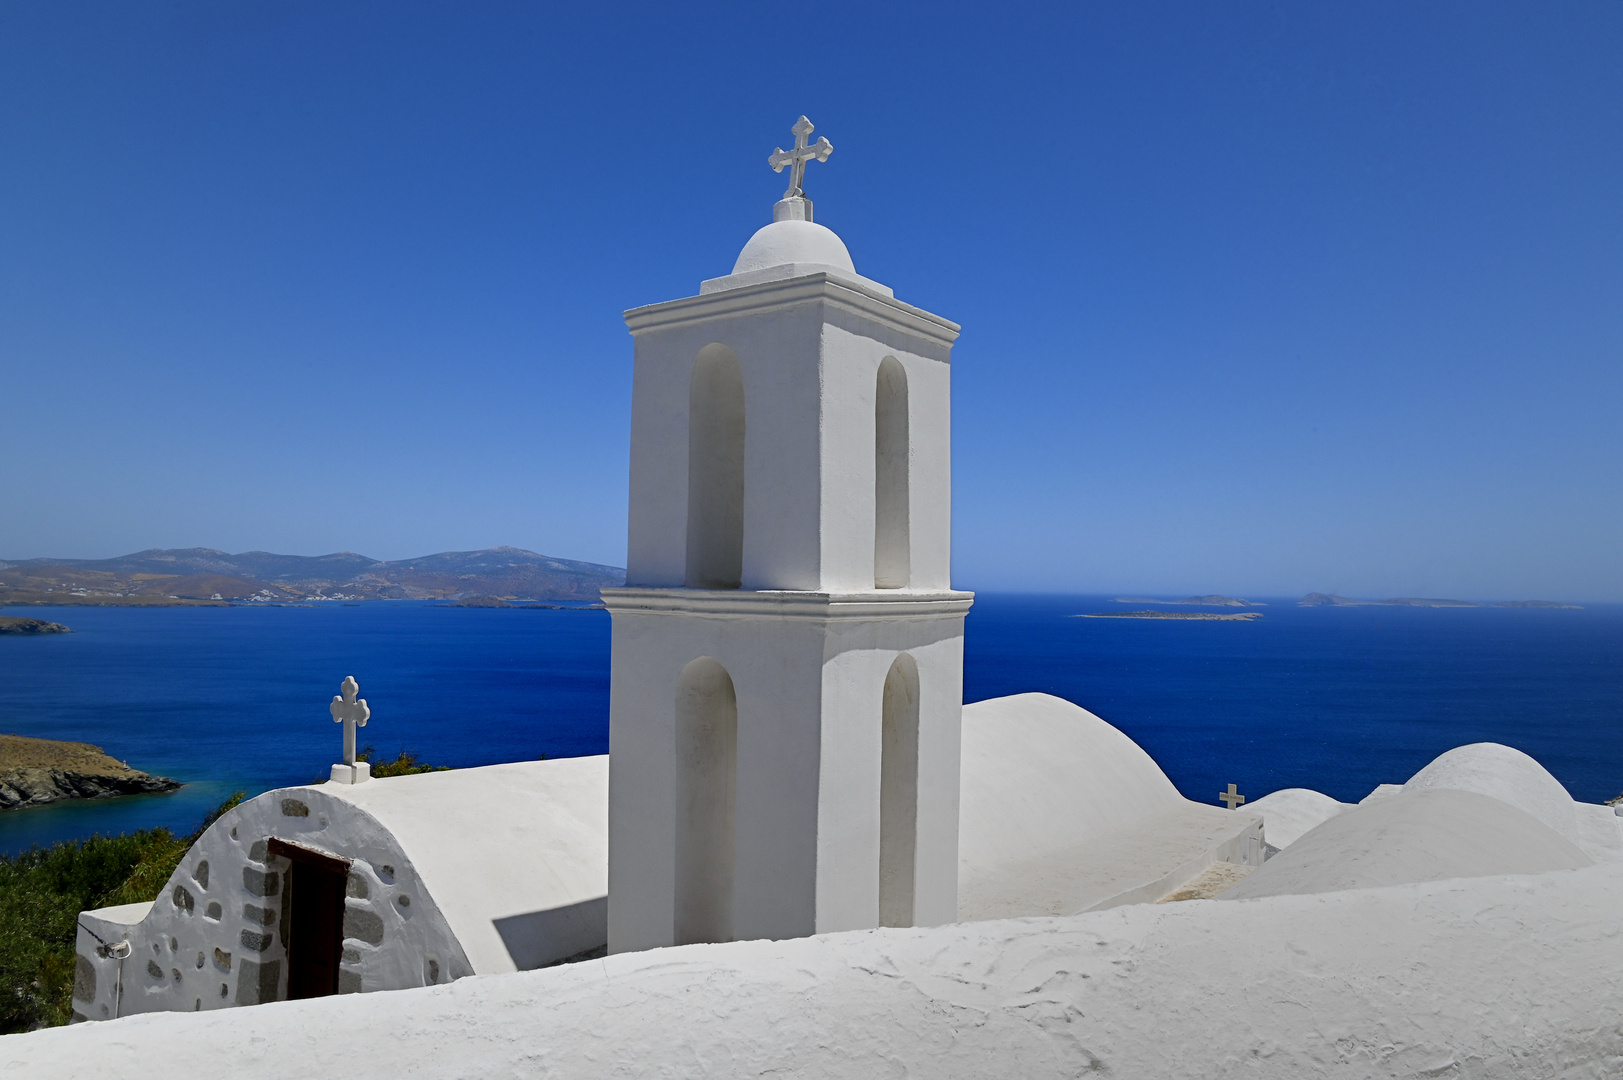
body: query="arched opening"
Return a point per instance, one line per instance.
(892, 561)
(706, 789)
(715, 471)
(898, 792)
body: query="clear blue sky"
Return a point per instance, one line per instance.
(1257, 298)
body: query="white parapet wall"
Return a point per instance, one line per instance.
(1509, 978)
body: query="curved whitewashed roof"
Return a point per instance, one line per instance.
(793, 249)
(500, 847)
(794, 242)
(1059, 812)
(1423, 835)
(1041, 773)
(1503, 773)
(1288, 813)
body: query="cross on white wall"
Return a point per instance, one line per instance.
(351, 713)
(796, 159)
(1232, 796)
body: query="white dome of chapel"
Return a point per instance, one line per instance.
(794, 242)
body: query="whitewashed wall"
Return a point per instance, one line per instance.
(217, 936)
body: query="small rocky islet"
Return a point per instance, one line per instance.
(12, 624)
(1199, 616)
(34, 772)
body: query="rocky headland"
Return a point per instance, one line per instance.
(38, 771)
(11, 624)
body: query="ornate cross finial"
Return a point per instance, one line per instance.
(350, 712)
(796, 159)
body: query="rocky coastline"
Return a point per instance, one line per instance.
(34, 772)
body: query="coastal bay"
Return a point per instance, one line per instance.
(1337, 699)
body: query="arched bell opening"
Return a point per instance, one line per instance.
(706, 793)
(892, 559)
(715, 552)
(898, 792)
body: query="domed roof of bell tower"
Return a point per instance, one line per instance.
(793, 245)
(798, 242)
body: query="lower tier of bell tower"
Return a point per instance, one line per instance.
(782, 763)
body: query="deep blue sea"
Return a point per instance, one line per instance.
(1336, 699)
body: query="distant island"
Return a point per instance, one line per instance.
(206, 577)
(1212, 600)
(11, 624)
(38, 771)
(1331, 600)
(1238, 616)
(498, 602)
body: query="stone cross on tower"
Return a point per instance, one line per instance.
(796, 160)
(1232, 796)
(352, 713)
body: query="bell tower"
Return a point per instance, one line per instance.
(788, 650)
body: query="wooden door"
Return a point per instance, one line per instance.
(315, 933)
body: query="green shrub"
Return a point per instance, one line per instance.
(42, 892)
(406, 763)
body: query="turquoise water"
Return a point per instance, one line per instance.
(1338, 699)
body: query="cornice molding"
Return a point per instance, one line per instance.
(775, 295)
(783, 604)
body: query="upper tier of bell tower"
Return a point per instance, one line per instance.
(791, 424)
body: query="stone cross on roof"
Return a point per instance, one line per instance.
(1232, 796)
(796, 159)
(352, 713)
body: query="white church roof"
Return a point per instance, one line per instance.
(1503, 773)
(1288, 813)
(1059, 812)
(506, 851)
(1424, 835)
(1475, 811)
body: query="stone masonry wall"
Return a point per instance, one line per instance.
(217, 935)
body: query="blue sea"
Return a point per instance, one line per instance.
(1336, 699)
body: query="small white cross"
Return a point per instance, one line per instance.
(796, 159)
(1232, 796)
(351, 713)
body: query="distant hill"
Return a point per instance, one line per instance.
(1210, 600)
(1317, 599)
(203, 575)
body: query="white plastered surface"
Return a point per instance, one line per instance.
(1424, 835)
(1059, 812)
(498, 842)
(1497, 978)
(1288, 813)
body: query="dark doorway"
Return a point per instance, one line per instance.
(315, 919)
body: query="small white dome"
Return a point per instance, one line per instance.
(794, 242)
(1506, 774)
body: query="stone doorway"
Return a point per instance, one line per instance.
(315, 925)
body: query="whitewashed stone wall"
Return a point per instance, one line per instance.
(217, 935)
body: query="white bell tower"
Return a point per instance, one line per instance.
(788, 649)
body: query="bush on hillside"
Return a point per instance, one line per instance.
(405, 764)
(42, 892)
